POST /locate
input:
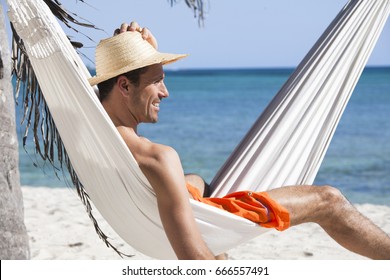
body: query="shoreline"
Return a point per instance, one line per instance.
(59, 229)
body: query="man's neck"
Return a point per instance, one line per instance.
(120, 117)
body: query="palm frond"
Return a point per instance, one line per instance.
(68, 18)
(1, 67)
(198, 7)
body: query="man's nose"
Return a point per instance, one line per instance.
(163, 91)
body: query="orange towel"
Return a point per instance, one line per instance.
(255, 206)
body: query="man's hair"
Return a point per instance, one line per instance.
(105, 87)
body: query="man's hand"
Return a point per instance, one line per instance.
(134, 26)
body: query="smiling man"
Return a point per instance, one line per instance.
(130, 77)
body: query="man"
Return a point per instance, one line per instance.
(132, 93)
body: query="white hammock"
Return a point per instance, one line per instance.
(285, 146)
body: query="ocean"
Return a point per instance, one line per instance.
(209, 111)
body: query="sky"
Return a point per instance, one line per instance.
(236, 34)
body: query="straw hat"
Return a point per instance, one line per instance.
(126, 52)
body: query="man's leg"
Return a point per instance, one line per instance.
(327, 207)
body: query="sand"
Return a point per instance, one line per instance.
(59, 229)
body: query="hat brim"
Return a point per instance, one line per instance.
(163, 58)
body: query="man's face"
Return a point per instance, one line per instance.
(146, 97)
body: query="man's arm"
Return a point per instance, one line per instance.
(162, 166)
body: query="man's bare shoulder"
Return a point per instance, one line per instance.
(130, 136)
(141, 147)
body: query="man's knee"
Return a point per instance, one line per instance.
(194, 179)
(333, 201)
(332, 195)
(198, 182)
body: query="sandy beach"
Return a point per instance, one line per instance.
(59, 229)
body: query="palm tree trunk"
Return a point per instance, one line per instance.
(13, 233)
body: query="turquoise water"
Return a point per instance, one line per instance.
(209, 111)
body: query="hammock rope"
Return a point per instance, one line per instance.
(284, 147)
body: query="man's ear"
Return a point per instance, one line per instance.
(123, 85)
